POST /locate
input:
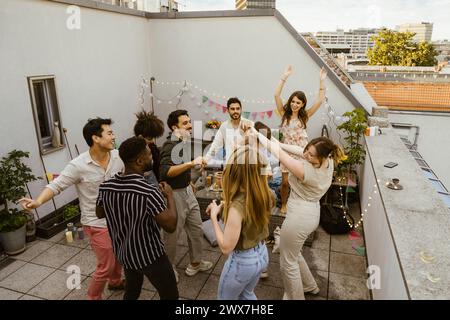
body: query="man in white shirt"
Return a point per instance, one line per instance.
(87, 171)
(230, 131)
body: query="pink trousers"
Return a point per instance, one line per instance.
(108, 268)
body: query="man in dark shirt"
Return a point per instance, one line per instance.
(175, 168)
(134, 211)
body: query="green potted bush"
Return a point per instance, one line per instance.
(353, 128)
(14, 175)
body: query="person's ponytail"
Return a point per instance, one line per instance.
(338, 154)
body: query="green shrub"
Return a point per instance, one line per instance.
(70, 211)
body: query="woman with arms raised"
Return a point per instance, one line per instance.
(293, 124)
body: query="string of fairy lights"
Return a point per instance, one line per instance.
(187, 88)
(364, 209)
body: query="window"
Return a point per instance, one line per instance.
(46, 112)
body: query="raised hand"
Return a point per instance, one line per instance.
(287, 72)
(165, 189)
(213, 209)
(199, 161)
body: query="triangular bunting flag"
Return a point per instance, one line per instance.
(354, 235)
(350, 190)
(218, 108)
(269, 113)
(246, 115)
(262, 114)
(361, 250)
(254, 115)
(204, 99)
(224, 109)
(211, 103)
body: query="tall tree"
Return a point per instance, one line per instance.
(394, 48)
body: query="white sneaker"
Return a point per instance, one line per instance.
(202, 266)
(264, 274)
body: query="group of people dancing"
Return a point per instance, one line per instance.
(136, 201)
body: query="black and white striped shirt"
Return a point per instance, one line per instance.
(130, 204)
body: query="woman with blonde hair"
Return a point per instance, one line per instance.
(310, 178)
(247, 203)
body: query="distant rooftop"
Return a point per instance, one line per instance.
(328, 58)
(411, 96)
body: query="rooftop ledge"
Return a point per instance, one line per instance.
(407, 231)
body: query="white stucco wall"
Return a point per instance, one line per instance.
(234, 56)
(99, 68)
(433, 143)
(98, 71)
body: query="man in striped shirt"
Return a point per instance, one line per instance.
(134, 211)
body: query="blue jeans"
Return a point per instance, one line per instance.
(241, 272)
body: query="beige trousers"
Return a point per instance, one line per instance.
(189, 218)
(302, 219)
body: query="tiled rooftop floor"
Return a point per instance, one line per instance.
(40, 272)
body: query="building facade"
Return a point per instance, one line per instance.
(248, 4)
(359, 40)
(423, 30)
(146, 5)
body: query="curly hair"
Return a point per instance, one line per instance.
(148, 125)
(131, 149)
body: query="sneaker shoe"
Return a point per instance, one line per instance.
(120, 286)
(315, 291)
(264, 274)
(202, 266)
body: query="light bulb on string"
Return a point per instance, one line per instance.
(199, 104)
(192, 96)
(206, 112)
(158, 102)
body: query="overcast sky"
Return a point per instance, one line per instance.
(328, 15)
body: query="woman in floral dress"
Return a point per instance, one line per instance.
(293, 124)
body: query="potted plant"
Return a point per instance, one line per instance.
(354, 128)
(14, 175)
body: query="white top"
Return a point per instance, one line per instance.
(226, 135)
(87, 175)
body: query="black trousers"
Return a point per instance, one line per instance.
(161, 276)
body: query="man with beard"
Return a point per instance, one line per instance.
(230, 131)
(175, 168)
(134, 210)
